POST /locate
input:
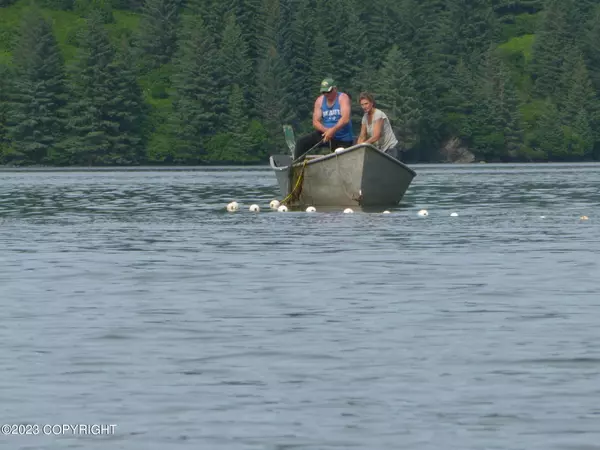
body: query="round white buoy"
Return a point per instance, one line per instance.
(233, 206)
(584, 218)
(254, 208)
(386, 212)
(339, 149)
(542, 217)
(282, 208)
(274, 204)
(311, 209)
(423, 213)
(348, 211)
(454, 214)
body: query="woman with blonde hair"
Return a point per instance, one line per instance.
(376, 128)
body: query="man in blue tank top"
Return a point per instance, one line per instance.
(331, 119)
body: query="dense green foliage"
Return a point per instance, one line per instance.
(101, 82)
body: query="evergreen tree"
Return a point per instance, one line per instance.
(591, 47)
(106, 116)
(386, 23)
(396, 95)
(126, 108)
(274, 98)
(5, 79)
(475, 26)
(196, 98)
(549, 137)
(433, 62)
(498, 134)
(578, 138)
(461, 102)
(297, 56)
(235, 68)
(157, 38)
(101, 9)
(233, 143)
(38, 92)
(579, 93)
(321, 65)
(552, 44)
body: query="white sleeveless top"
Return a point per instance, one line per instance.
(387, 139)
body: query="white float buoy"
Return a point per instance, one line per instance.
(423, 213)
(339, 149)
(233, 206)
(254, 208)
(584, 218)
(311, 209)
(282, 208)
(542, 217)
(454, 214)
(348, 211)
(274, 204)
(386, 212)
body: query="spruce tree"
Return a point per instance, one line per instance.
(433, 60)
(299, 53)
(235, 67)
(396, 95)
(126, 108)
(551, 46)
(321, 64)
(549, 136)
(461, 102)
(5, 79)
(157, 37)
(38, 92)
(497, 131)
(196, 99)
(106, 113)
(591, 47)
(274, 98)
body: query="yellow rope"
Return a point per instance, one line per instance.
(298, 183)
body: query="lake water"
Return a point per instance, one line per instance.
(133, 298)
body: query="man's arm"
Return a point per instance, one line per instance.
(318, 115)
(345, 107)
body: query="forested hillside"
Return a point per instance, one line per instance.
(100, 82)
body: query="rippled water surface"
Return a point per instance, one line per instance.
(133, 298)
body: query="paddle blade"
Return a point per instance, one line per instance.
(290, 140)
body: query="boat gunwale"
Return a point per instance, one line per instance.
(335, 154)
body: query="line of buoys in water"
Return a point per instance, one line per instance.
(277, 206)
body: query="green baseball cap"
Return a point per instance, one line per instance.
(327, 85)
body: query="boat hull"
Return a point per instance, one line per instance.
(360, 175)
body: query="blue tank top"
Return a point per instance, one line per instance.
(331, 115)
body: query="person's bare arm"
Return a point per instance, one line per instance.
(345, 110)
(362, 137)
(377, 127)
(318, 115)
